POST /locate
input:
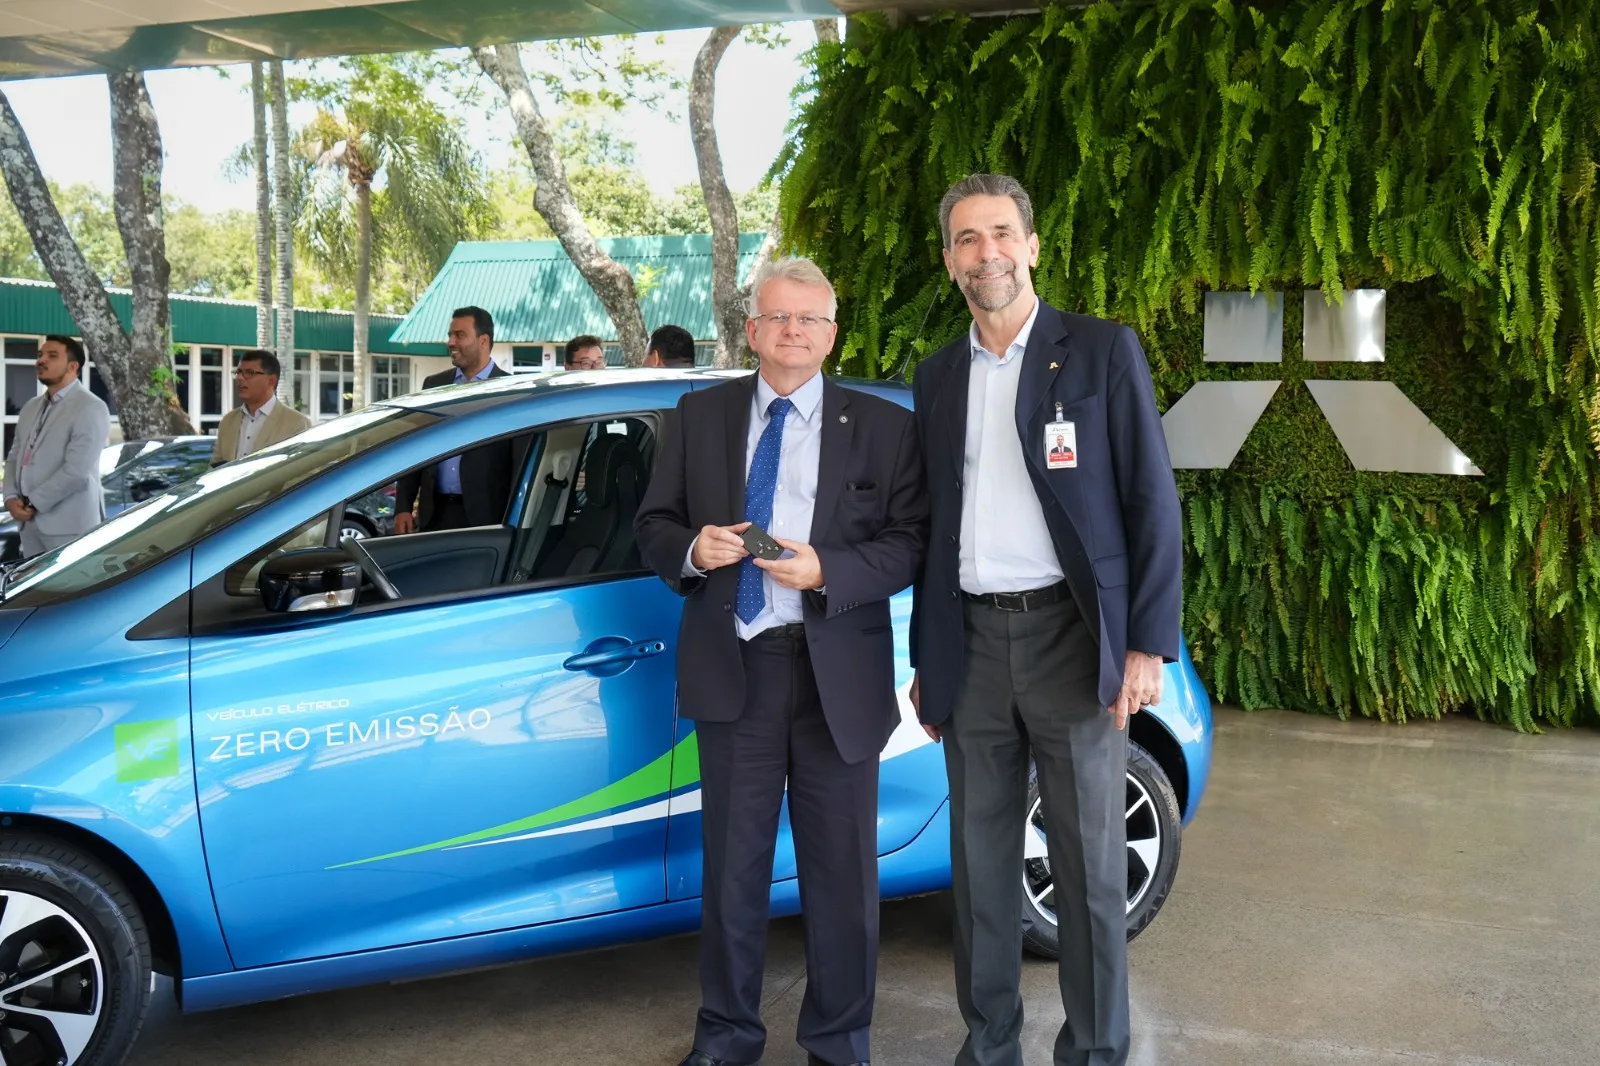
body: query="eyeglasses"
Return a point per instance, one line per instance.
(783, 318)
(243, 373)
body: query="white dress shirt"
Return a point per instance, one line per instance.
(1005, 544)
(250, 425)
(793, 500)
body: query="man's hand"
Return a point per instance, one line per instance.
(18, 510)
(801, 573)
(719, 546)
(1141, 686)
(405, 522)
(935, 734)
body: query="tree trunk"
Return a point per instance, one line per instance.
(727, 309)
(151, 409)
(827, 30)
(285, 222)
(80, 289)
(258, 106)
(553, 199)
(358, 364)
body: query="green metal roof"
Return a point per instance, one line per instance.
(535, 293)
(36, 307)
(80, 36)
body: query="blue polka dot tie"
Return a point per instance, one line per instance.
(759, 488)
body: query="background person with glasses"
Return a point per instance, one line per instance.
(260, 419)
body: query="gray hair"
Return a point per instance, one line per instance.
(985, 185)
(797, 269)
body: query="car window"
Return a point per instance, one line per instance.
(583, 484)
(163, 469)
(178, 517)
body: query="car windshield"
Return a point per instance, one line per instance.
(144, 535)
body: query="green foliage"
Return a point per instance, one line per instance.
(1443, 151)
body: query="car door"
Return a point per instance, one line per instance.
(476, 756)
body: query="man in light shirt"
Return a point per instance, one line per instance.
(52, 486)
(787, 665)
(1049, 601)
(260, 419)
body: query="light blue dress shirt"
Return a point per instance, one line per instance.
(795, 498)
(1005, 544)
(448, 480)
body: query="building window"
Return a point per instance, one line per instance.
(705, 354)
(100, 385)
(527, 358)
(21, 381)
(335, 375)
(391, 377)
(614, 355)
(182, 376)
(214, 391)
(301, 395)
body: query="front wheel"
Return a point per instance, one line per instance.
(1154, 838)
(74, 958)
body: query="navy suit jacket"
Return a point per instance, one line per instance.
(868, 526)
(1114, 517)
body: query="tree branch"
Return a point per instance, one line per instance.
(554, 201)
(719, 201)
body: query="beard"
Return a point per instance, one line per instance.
(992, 294)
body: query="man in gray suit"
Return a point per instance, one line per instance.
(52, 482)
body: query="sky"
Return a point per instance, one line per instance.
(205, 117)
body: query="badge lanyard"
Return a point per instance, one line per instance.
(38, 432)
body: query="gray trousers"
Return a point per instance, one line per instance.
(1030, 684)
(36, 543)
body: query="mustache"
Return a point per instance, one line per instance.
(992, 266)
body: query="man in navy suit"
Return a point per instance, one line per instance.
(787, 665)
(1048, 603)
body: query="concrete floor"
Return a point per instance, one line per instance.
(1351, 894)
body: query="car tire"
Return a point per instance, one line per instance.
(355, 526)
(56, 906)
(1155, 830)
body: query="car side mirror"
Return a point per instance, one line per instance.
(310, 579)
(143, 490)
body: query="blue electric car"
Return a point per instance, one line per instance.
(241, 749)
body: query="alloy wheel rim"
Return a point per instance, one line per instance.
(1144, 851)
(52, 983)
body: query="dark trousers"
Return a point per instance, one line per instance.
(833, 807)
(449, 512)
(1030, 685)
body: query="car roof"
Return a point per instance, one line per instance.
(512, 389)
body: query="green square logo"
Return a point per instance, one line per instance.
(147, 751)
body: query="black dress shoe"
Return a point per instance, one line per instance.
(700, 1058)
(812, 1060)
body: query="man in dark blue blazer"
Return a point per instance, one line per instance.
(787, 665)
(1048, 603)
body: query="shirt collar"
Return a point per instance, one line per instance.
(1018, 346)
(482, 375)
(68, 387)
(806, 399)
(263, 411)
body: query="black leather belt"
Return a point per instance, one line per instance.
(1021, 601)
(788, 631)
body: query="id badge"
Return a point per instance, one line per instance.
(1060, 446)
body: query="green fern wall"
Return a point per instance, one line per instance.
(1442, 151)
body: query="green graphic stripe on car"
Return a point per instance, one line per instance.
(676, 769)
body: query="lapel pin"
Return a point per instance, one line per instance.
(844, 418)
(1055, 366)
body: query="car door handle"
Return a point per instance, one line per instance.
(610, 656)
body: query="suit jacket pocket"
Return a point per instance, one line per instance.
(1111, 571)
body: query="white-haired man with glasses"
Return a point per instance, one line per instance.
(786, 660)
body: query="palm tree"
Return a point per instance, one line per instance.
(258, 106)
(392, 177)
